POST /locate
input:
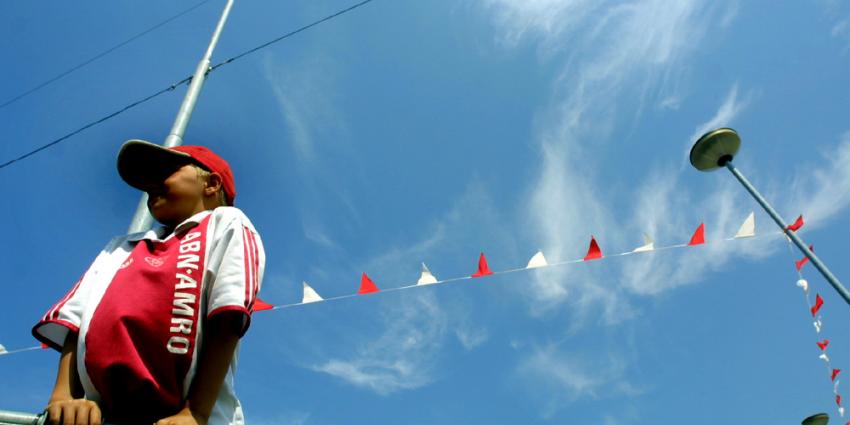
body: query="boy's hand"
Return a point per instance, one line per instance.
(184, 417)
(73, 412)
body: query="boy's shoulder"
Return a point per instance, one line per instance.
(231, 216)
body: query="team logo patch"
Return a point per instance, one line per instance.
(155, 262)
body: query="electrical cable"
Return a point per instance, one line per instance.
(98, 56)
(93, 123)
(183, 81)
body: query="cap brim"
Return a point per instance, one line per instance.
(142, 164)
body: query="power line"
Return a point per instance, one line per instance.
(98, 56)
(181, 82)
(289, 34)
(94, 123)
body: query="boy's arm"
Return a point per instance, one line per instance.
(66, 402)
(221, 334)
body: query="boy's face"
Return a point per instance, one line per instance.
(178, 197)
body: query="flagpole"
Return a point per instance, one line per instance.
(716, 149)
(142, 219)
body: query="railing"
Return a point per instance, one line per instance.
(19, 418)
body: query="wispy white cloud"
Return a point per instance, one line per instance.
(403, 351)
(472, 338)
(305, 98)
(609, 52)
(614, 50)
(724, 116)
(823, 191)
(402, 356)
(560, 378)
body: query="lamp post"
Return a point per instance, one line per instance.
(716, 149)
(142, 219)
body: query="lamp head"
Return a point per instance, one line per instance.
(818, 419)
(714, 149)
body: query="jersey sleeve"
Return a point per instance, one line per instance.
(66, 315)
(237, 264)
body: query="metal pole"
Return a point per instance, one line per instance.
(8, 417)
(791, 234)
(142, 219)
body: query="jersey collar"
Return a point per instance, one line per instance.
(160, 232)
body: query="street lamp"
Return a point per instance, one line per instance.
(716, 149)
(818, 419)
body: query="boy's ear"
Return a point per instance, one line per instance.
(213, 184)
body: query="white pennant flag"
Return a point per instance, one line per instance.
(818, 325)
(748, 228)
(538, 260)
(648, 244)
(426, 278)
(824, 357)
(310, 295)
(2, 349)
(803, 283)
(841, 411)
(835, 386)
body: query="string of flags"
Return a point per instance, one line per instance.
(817, 322)
(537, 261)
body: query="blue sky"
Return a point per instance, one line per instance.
(431, 131)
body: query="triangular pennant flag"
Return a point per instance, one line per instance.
(835, 386)
(310, 295)
(2, 349)
(835, 373)
(483, 268)
(260, 305)
(838, 400)
(593, 251)
(699, 236)
(366, 285)
(538, 260)
(44, 346)
(426, 278)
(748, 228)
(797, 224)
(648, 244)
(818, 326)
(823, 344)
(802, 262)
(841, 412)
(803, 283)
(824, 357)
(817, 306)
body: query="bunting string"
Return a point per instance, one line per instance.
(817, 320)
(538, 261)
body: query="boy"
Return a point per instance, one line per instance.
(150, 331)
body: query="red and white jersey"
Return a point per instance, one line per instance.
(139, 311)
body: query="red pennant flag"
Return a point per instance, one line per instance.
(483, 268)
(838, 400)
(802, 262)
(797, 224)
(366, 285)
(260, 305)
(44, 346)
(817, 306)
(699, 236)
(593, 252)
(835, 373)
(823, 344)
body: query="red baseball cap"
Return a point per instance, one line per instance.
(141, 163)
